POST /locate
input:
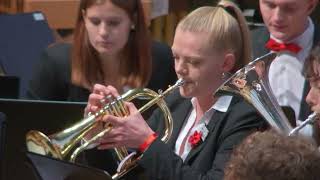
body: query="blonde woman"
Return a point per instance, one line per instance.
(209, 42)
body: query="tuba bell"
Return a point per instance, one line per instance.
(252, 83)
(67, 144)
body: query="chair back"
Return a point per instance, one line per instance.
(23, 37)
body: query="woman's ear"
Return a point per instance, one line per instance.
(133, 27)
(83, 13)
(134, 19)
(229, 62)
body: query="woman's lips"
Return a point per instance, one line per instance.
(105, 44)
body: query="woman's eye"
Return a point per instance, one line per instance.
(114, 23)
(270, 5)
(95, 21)
(193, 62)
(314, 83)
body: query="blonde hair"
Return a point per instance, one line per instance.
(226, 27)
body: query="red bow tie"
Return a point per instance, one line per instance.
(275, 46)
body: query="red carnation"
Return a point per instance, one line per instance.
(195, 139)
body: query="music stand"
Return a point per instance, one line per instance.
(24, 115)
(9, 86)
(54, 169)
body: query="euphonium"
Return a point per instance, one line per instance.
(252, 83)
(66, 144)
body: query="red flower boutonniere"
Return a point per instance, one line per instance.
(195, 139)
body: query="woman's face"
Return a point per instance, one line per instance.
(108, 27)
(313, 97)
(197, 63)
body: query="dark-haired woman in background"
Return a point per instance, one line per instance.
(111, 46)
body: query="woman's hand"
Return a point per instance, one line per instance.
(100, 96)
(130, 131)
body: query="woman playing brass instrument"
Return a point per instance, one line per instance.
(312, 73)
(209, 42)
(111, 46)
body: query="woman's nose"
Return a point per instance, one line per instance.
(180, 68)
(310, 99)
(103, 30)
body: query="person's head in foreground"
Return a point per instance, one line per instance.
(273, 156)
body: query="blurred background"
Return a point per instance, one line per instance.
(29, 26)
(61, 14)
(162, 15)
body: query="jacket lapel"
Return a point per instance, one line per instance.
(260, 36)
(216, 117)
(316, 38)
(179, 115)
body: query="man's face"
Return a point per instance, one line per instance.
(286, 19)
(313, 97)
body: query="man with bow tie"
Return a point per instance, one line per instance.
(290, 32)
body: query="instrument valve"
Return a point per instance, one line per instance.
(160, 92)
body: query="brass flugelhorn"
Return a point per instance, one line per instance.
(67, 144)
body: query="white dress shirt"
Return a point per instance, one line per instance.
(222, 104)
(285, 74)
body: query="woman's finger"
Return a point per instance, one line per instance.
(113, 91)
(99, 88)
(110, 145)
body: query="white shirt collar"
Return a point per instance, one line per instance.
(222, 104)
(286, 80)
(304, 39)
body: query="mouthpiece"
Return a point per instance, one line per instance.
(180, 82)
(310, 120)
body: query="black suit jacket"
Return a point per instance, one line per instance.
(259, 37)
(206, 161)
(52, 76)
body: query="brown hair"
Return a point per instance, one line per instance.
(270, 155)
(135, 69)
(314, 56)
(227, 29)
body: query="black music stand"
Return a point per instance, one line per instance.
(53, 169)
(9, 87)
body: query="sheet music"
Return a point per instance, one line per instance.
(159, 8)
